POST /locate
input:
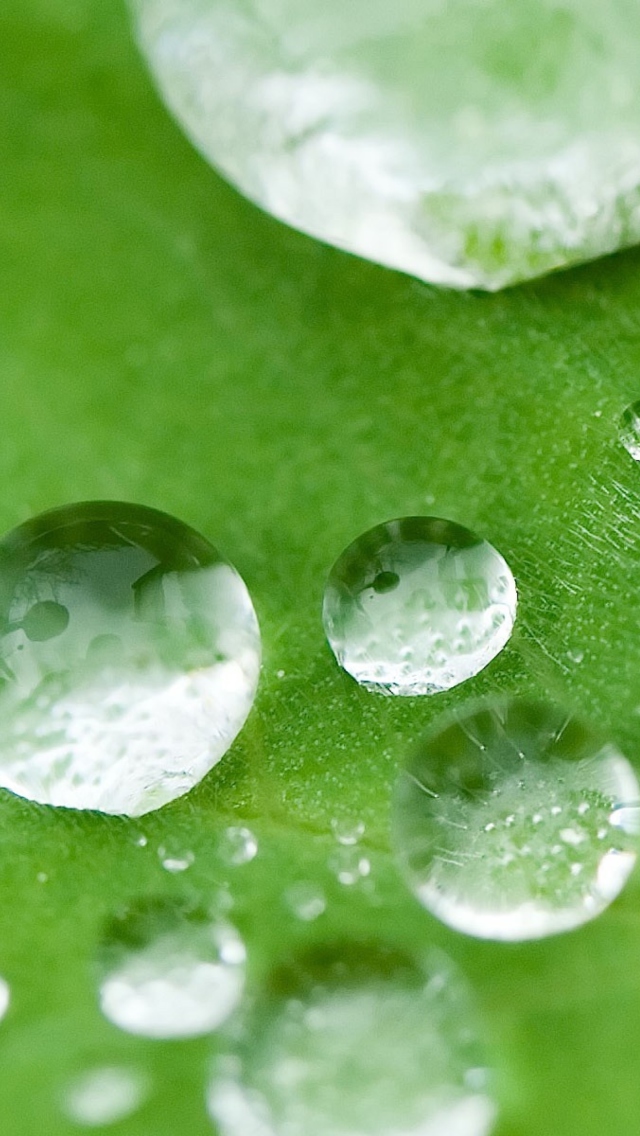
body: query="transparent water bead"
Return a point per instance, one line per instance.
(630, 430)
(418, 605)
(105, 1095)
(356, 1040)
(129, 658)
(168, 971)
(426, 136)
(516, 820)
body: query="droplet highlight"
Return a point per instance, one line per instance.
(170, 972)
(417, 606)
(356, 1039)
(129, 658)
(504, 821)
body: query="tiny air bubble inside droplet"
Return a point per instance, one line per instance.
(418, 605)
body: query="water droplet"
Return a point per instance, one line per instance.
(5, 997)
(347, 831)
(448, 615)
(575, 656)
(141, 841)
(349, 865)
(42, 877)
(356, 1039)
(129, 658)
(238, 845)
(306, 901)
(515, 882)
(105, 1096)
(174, 858)
(630, 430)
(169, 971)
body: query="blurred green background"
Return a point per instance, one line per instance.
(162, 341)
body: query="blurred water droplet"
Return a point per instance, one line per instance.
(630, 430)
(105, 1096)
(141, 841)
(174, 858)
(349, 865)
(238, 845)
(129, 652)
(356, 1039)
(575, 656)
(5, 997)
(42, 877)
(347, 831)
(517, 880)
(418, 605)
(169, 971)
(306, 900)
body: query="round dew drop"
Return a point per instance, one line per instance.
(170, 972)
(418, 605)
(355, 1038)
(129, 658)
(515, 820)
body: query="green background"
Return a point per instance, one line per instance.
(162, 341)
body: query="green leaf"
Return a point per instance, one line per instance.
(165, 342)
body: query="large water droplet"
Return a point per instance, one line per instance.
(129, 658)
(356, 1039)
(449, 611)
(424, 135)
(168, 971)
(105, 1096)
(630, 430)
(516, 821)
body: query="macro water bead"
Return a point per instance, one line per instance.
(515, 820)
(418, 605)
(468, 142)
(129, 657)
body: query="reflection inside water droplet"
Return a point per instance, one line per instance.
(168, 971)
(503, 820)
(129, 658)
(418, 605)
(105, 1096)
(356, 1039)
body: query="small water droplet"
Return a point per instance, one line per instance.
(105, 1096)
(409, 1043)
(306, 900)
(418, 605)
(349, 865)
(280, 674)
(347, 831)
(175, 859)
(575, 656)
(170, 971)
(130, 654)
(521, 880)
(5, 997)
(630, 430)
(238, 845)
(141, 841)
(42, 877)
